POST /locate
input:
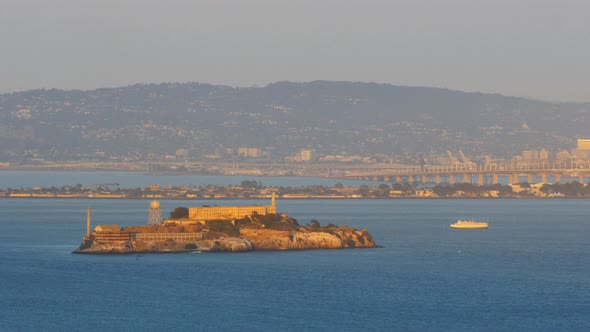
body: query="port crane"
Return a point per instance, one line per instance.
(466, 160)
(454, 160)
(568, 155)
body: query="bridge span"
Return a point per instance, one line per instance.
(480, 175)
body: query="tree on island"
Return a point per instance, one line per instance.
(314, 224)
(383, 190)
(250, 184)
(364, 190)
(443, 191)
(179, 213)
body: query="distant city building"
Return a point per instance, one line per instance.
(582, 151)
(343, 159)
(181, 153)
(583, 144)
(544, 154)
(307, 155)
(212, 156)
(530, 155)
(249, 152)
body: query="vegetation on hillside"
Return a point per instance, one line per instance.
(179, 213)
(362, 119)
(224, 226)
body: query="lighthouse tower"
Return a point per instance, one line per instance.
(155, 214)
(273, 204)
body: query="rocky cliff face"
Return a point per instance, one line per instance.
(228, 244)
(342, 237)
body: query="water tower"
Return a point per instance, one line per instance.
(155, 214)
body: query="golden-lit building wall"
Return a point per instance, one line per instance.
(231, 212)
(583, 144)
(228, 212)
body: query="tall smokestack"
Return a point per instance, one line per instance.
(88, 223)
(272, 201)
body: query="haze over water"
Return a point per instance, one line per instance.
(47, 179)
(529, 271)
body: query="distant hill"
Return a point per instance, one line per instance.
(153, 120)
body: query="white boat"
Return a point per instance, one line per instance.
(469, 224)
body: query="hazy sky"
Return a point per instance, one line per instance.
(533, 48)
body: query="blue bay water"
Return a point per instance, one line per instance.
(29, 179)
(530, 271)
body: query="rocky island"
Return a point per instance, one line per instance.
(220, 229)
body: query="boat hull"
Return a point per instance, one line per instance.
(469, 226)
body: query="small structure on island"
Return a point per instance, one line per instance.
(87, 237)
(155, 214)
(107, 228)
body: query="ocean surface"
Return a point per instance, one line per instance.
(530, 271)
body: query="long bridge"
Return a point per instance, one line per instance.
(511, 173)
(478, 174)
